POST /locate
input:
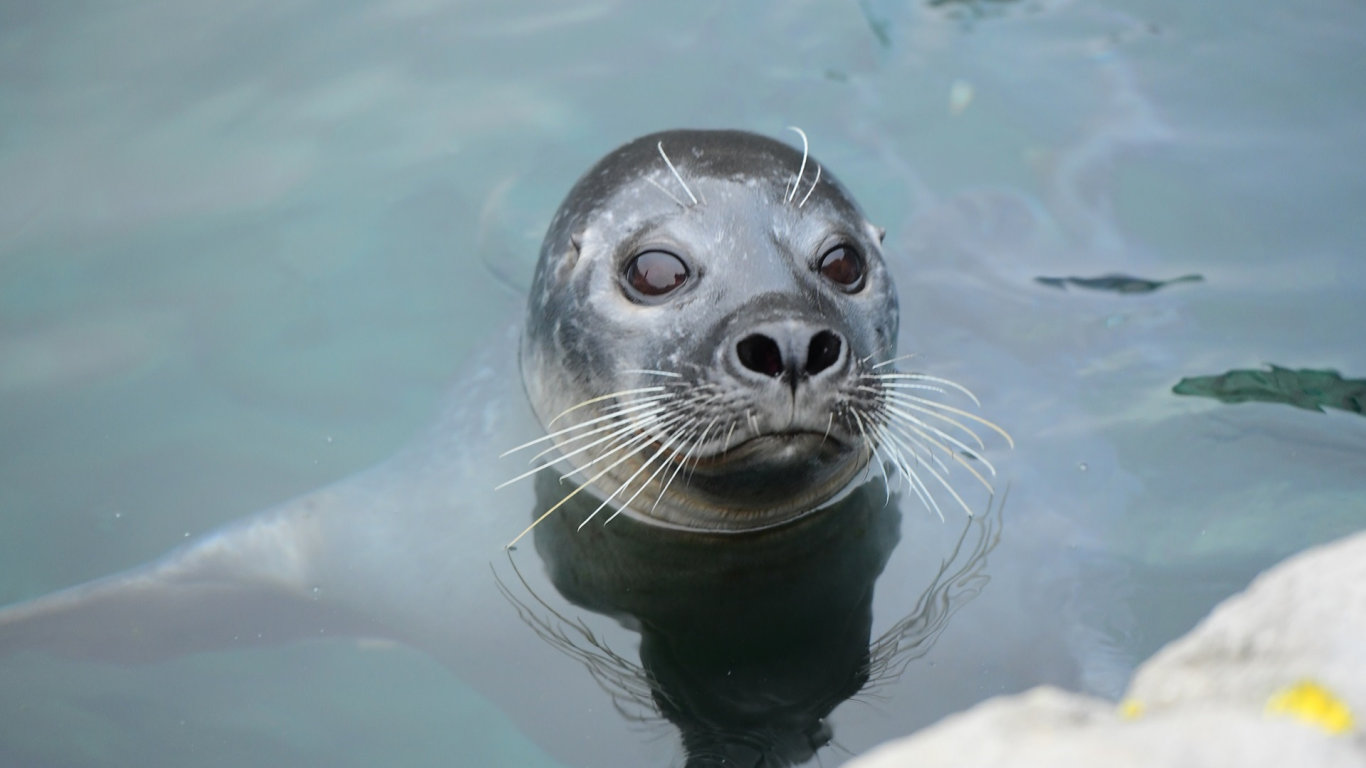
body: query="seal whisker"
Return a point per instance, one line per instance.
(697, 459)
(625, 418)
(905, 422)
(893, 360)
(663, 448)
(973, 470)
(896, 404)
(614, 413)
(622, 428)
(889, 393)
(910, 441)
(924, 453)
(625, 437)
(867, 442)
(725, 446)
(915, 442)
(661, 188)
(677, 175)
(908, 385)
(654, 372)
(912, 432)
(816, 181)
(909, 476)
(685, 434)
(876, 457)
(682, 462)
(590, 481)
(621, 410)
(658, 424)
(619, 428)
(584, 431)
(801, 170)
(943, 481)
(904, 467)
(679, 435)
(600, 398)
(629, 437)
(893, 456)
(927, 406)
(562, 502)
(935, 379)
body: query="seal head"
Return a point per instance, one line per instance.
(702, 329)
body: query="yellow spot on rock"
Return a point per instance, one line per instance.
(1131, 709)
(1311, 703)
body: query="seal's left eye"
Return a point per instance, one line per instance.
(842, 265)
(655, 273)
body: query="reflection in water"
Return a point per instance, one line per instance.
(747, 642)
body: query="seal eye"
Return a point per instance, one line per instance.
(655, 273)
(842, 265)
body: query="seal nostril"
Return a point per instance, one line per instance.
(823, 352)
(759, 353)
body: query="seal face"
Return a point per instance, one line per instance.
(703, 331)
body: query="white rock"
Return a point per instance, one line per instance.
(1274, 676)
(1303, 620)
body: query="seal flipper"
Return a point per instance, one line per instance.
(245, 584)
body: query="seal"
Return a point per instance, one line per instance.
(726, 316)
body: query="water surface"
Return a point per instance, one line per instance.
(245, 248)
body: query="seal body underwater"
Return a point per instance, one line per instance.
(707, 346)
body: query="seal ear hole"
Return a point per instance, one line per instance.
(843, 266)
(654, 273)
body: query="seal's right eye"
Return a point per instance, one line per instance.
(655, 273)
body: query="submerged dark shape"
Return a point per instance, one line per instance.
(1306, 388)
(1116, 283)
(747, 643)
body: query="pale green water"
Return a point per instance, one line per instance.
(244, 248)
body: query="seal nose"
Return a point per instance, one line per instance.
(788, 350)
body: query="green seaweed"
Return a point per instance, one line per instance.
(1116, 283)
(1306, 388)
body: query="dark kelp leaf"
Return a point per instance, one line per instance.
(1116, 283)
(1305, 388)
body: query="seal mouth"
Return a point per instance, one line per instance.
(774, 448)
(746, 477)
